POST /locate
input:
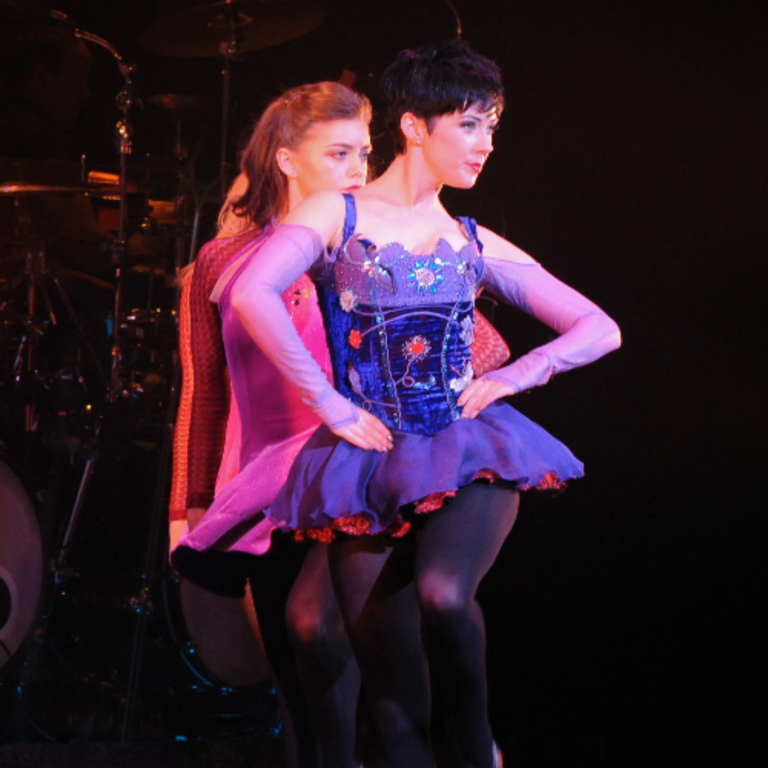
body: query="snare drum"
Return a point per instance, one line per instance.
(21, 564)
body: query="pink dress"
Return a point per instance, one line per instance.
(270, 423)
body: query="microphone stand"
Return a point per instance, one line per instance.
(123, 131)
(228, 49)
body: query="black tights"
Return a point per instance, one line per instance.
(272, 577)
(324, 660)
(373, 578)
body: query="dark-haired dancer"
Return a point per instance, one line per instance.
(411, 437)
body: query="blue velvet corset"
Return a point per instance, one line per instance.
(400, 329)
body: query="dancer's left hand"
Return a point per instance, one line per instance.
(480, 394)
(368, 432)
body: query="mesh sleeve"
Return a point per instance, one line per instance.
(204, 405)
(586, 332)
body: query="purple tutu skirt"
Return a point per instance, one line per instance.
(335, 487)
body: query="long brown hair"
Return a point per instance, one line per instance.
(285, 123)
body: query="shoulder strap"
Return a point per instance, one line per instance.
(350, 217)
(470, 225)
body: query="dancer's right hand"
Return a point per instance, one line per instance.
(368, 433)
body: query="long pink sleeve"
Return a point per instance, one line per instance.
(256, 300)
(587, 333)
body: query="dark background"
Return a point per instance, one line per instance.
(626, 618)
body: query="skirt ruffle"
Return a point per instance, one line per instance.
(335, 487)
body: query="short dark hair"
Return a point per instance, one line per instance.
(438, 80)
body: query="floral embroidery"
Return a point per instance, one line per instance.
(348, 299)
(355, 381)
(427, 275)
(468, 330)
(416, 348)
(463, 381)
(355, 339)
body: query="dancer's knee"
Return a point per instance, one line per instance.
(442, 598)
(305, 626)
(312, 631)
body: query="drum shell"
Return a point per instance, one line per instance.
(219, 637)
(21, 564)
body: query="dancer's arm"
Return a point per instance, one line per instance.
(586, 332)
(204, 404)
(256, 299)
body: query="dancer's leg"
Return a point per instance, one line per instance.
(372, 578)
(272, 577)
(324, 659)
(459, 543)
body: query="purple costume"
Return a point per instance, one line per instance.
(399, 328)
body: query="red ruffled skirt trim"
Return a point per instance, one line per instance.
(360, 525)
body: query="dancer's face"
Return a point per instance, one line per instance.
(458, 145)
(332, 155)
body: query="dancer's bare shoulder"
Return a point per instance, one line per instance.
(323, 212)
(497, 247)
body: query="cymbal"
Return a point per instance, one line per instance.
(16, 188)
(205, 31)
(14, 170)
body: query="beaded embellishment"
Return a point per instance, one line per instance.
(400, 328)
(427, 275)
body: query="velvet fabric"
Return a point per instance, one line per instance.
(401, 328)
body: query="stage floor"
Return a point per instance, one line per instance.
(253, 753)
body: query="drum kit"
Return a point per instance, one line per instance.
(66, 370)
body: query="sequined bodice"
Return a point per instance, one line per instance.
(400, 328)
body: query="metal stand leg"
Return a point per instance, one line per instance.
(143, 604)
(74, 518)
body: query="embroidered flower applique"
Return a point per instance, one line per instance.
(348, 299)
(468, 330)
(416, 348)
(464, 380)
(355, 339)
(427, 275)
